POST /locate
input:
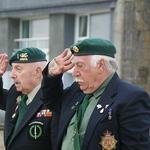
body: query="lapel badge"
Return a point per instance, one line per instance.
(18, 99)
(102, 110)
(15, 113)
(108, 141)
(13, 116)
(106, 106)
(109, 114)
(76, 103)
(74, 106)
(99, 106)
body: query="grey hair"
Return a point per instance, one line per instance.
(110, 62)
(41, 64)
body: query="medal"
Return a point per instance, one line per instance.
(44, 113)
(108, 141)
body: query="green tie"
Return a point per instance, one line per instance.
(80, 114)
(21, 110)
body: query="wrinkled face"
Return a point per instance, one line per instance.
(85, 74)
(23, 75)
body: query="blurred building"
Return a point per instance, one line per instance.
(53, 25)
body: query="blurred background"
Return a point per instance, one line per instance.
(53, 25)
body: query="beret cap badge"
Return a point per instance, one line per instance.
(23, 57)
(75, 49)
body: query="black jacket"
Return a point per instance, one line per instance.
(125, 119)
(34, 131)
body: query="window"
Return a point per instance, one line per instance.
(25, 29)
(34, 33)
(83, 20)
(39, 28)
(82, 25)
(100, 25)
(96, 25)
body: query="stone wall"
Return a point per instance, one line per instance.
(136, 43)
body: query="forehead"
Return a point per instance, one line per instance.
(83, 59)
(21, 65)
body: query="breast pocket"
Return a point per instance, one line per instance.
(35, 130)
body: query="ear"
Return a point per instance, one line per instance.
(100, 65)
(38, 72)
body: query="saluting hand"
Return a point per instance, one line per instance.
(61, 63)
(3, 63)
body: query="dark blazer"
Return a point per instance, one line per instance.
(123, 121)
(34, 131)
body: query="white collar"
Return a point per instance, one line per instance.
(32, 94)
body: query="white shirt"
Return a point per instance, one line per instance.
(32, 94)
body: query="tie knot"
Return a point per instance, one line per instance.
(24, 98)
(88, 96)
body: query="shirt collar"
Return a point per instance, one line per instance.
(102, 87)
(32, 94)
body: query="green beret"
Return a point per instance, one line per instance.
(27, 55)
(93, 46)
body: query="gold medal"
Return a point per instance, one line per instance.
(108, 141)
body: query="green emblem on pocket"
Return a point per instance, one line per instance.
(35, 130)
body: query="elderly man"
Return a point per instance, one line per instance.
(99, 111)
(27, 120)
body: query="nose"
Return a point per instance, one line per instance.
(13, 75)
(75, 72)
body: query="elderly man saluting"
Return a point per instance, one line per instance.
(99, 111)
(27, 120)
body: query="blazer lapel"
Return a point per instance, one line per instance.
(9, 121)
(31, 110)
(101, 110)
(67, 114)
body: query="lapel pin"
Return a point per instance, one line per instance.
(109, 114)
(76, 103)
(99, 106)
(74, 106)
(102, 110)
(14, 115)
(106, 106)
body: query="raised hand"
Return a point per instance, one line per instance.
(3, 63)
(61, 63)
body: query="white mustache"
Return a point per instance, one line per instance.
(78, 80)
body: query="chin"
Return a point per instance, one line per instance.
(18, 89)
(85, 91)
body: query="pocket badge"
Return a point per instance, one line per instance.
(35, 130)
(108, 141)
